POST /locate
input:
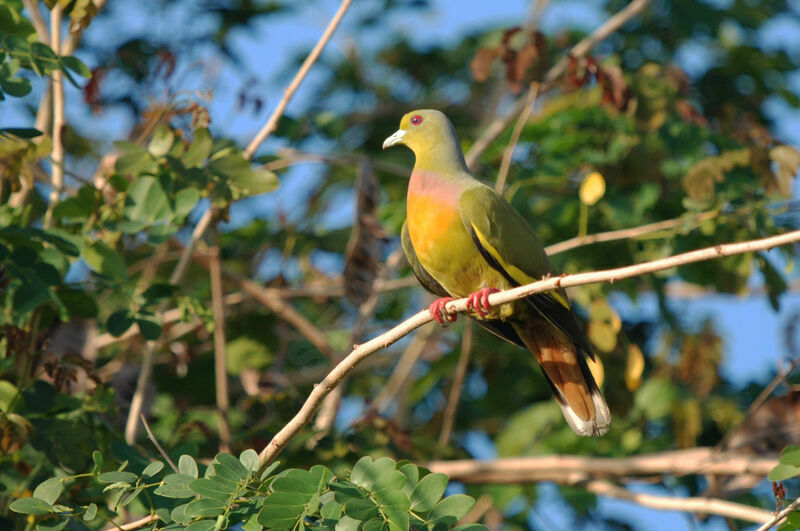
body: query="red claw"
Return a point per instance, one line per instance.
(479, 301)
(440, 313)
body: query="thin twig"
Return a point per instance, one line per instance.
(136, 524)
(626, 234)
(499, 125)
(59, 121)
(281, 439)
(403, 369)
(272, 122)
(449, 415)
(759, 401)
(778, 518)
(220, 356)
(711, 506)
(508, 154)
(132, 426)
(157, 444)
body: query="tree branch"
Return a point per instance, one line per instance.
(568, 469)
(449, 415)
(711, 506)
(778, 518)
(220, 352)
(279, 441)
(57, 87)
(508, 154)
(272, 122)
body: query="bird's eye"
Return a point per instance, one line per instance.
(416, 119)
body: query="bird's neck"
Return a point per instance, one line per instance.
(442, 158)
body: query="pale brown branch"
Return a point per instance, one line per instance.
(508, 154)
(74, 39)
(779, 517)
(625, 234)
(499, 125)
(571, 469)
(59, 120)
(341, 370)
(37, 20)
(449, 415)
(710, 506)
(291, 156)
(220, 353)
(136, 524)
(272, 122)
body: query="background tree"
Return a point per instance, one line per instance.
(166, 274)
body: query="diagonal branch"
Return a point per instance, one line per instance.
(272, 122)
(338, 373)
(778, 518)
(59, 120)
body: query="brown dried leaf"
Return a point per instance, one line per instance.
(616, 91)
(364, 248)
(481, 64)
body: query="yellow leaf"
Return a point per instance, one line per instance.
(634, 367)
(597, 369)
(592, 188)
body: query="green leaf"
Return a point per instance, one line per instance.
(158, 291)
(134, 159)
(187, 466)
(471, 527)
(201, 525)
(256, 182)
(153, 468)
(229, 467)
(49, 490)
(97, 458)
(428, 492)
(119, 322)
(782, 472)
(395, 506)
(451, 509)
(215, 490)
(105, 260)
(34, 506)
(90, 513)
(269, 470)
(8, 392)
(21, 132)
(249, 460)
(147, 201)
(150, 329)
(281, 510)
(411, 472)
(361, 509)
(205, 507)
(200, 148)
(790, 455)
(117, 476)
(331, 510)
(175, 486)
(161, 141)
(185, 200)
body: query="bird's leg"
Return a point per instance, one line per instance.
(479, 301)
(440, 313)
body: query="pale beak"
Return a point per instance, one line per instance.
(396, 138)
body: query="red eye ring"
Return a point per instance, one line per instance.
(416, 119)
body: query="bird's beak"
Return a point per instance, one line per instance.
(396, 138)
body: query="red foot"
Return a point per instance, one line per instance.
(479, 301)
(440, 313)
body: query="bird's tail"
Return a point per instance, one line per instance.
(568, 374)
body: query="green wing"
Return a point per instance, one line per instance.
(499, 328)
(509, 245)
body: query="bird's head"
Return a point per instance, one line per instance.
(421, 129)
(431, 136)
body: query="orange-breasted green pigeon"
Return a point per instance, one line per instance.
(462, 239)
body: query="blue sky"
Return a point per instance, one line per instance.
(753, 332)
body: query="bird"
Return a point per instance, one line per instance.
(463, 239)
